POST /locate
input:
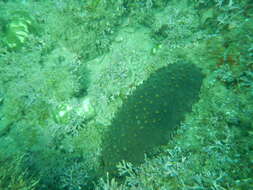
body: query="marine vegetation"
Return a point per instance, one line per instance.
(126, 95)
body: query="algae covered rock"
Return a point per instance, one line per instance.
(148, 116)
(18, 28)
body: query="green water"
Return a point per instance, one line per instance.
(126, 94)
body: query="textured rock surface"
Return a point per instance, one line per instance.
(151, 113)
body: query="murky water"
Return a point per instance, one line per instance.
(88, 85)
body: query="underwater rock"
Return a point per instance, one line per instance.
(149, 116)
